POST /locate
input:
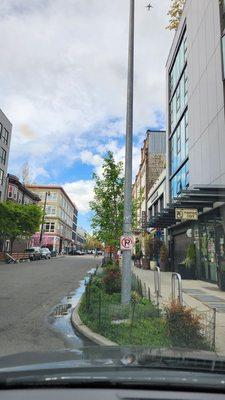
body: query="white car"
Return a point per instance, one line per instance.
(45, 253)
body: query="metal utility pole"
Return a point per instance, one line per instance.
(43, 218)
(127, 222)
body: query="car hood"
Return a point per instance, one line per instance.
(96, 356)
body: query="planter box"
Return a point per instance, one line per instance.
(186, 273)
(221, 279)
(153, 264)
(145, 263)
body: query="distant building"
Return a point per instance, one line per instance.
(60, 218)
(5, 139)
(18, 192)
(153, 160)
(81, 238)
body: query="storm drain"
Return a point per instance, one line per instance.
(61, 309)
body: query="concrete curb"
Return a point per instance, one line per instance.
(88, 333)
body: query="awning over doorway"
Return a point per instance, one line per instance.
(199, 197)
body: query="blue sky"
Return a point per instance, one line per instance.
(63, 86)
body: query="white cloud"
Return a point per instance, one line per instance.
(63, 75)
(81, 192)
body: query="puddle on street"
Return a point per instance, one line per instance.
(60, 317)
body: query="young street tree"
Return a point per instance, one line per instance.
(18, 220)
(108, 203)
(175, 13)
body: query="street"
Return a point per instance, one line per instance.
(28, 292)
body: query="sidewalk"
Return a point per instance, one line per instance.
(200, 295)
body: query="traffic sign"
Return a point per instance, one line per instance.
(126, 242)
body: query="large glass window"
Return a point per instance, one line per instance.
(179, 101)
(179, 144)
(178, 64)
(180, 181)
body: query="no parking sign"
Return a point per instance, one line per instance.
(126, 242)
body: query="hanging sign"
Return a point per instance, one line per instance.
(186, 214)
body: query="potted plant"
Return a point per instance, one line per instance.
(163, 257)
(221, 274)
(187, 268)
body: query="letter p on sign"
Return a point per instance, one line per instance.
(126, 243)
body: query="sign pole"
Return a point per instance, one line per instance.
(127, 222)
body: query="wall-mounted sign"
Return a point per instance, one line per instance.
(186, 214)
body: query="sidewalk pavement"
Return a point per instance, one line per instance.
(197, 294)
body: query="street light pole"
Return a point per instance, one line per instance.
(43, 218)
(127, 222)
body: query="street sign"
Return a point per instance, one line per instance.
(186, 214)
(126, 243)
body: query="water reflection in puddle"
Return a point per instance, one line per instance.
(60, 317)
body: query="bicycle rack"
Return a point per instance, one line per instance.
(177, 278)
(157, 281)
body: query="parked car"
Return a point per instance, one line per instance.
(45, 253)
(34, 253)
(76, 253)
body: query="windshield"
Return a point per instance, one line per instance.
(112, 182)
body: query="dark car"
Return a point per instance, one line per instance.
(34, 253)
(76, 253)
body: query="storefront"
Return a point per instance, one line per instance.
(206, 233)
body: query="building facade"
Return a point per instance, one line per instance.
(18, 192)
(60, 218)
(81, 238)
(196, 139)
(157, 201)
(5, 139)
(153, 159)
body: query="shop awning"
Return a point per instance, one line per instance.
(196, 197)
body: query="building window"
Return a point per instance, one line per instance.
(1, 176)
(180, 181)
(49, 226)
(178, 142)
(50, 210)
(2, 156)
(5, 136)
(1, 130)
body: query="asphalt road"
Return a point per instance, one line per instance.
(28, 292)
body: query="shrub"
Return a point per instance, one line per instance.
(185, 328)
(112, 280)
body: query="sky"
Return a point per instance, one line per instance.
(63, 79)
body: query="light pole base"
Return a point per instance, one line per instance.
(126, 277)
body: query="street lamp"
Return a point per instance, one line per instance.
(43, 218)
(127, 221)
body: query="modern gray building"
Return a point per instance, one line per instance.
(196, 138)
(5, 139)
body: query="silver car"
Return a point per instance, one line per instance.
(45, 253)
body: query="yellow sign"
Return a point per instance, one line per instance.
(186, 214)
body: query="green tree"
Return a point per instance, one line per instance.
(19, 220)
(107, 206)
(175, 13)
